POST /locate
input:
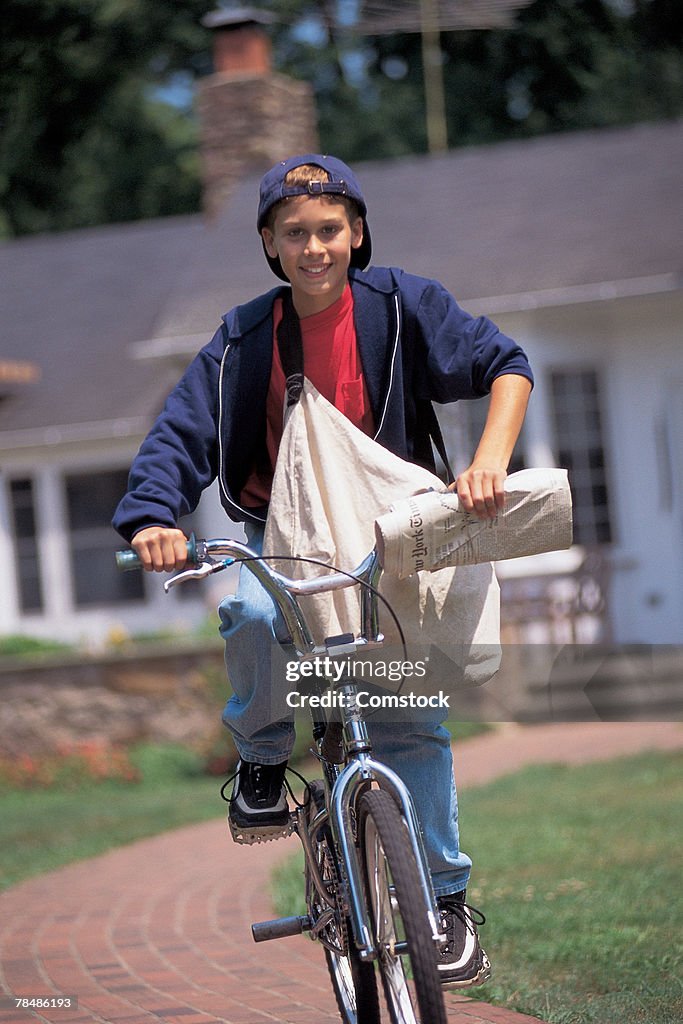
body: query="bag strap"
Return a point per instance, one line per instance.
(434, 428)
(291, 350)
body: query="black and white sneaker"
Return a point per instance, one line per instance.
(462, 963)
(258, 809)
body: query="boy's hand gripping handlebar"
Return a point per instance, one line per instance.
(196, 553)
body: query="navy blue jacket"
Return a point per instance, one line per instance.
(416, 346)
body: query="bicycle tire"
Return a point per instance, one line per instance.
(397, 912)
(353, 981)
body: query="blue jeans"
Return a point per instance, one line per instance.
(262, 726)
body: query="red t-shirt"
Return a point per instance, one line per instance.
(332, 364)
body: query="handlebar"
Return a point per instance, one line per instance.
(210, 556)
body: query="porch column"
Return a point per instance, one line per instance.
(53, 538)
(9, 606)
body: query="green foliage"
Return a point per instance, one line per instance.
(70, 767)
(95, 96)
(139, 159)
(578, 870)
(46, 827)
(564, 64)
(287, 881)
(586, 64)
(82, 140)
(15, 645)
(163, 763)
(466, 730)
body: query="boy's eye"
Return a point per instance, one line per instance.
(327, 230)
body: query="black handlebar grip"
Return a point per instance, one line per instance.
(126, 560)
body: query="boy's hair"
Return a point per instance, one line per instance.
(300, 176)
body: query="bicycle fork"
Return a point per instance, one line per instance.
(360, 771)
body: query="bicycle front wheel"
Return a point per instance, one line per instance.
(406, 951)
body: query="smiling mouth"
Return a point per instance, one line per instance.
(317, 271)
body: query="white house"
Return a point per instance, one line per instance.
(570, 242)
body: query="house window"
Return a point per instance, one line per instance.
(22, 505)
(90, 500)
(577, 427)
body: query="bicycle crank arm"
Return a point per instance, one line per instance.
(280, 928)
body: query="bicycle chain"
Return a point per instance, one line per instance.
(335, 888)
(341, 933)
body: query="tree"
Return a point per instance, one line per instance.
(564, 64)
(95, 95)
(83, 139)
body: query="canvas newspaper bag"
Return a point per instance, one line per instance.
(331, 483)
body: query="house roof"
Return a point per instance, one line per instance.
(72, 304)
(557, 212)
(540, 221)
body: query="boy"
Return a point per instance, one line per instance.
(381, 345)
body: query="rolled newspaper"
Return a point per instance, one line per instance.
(429, 530)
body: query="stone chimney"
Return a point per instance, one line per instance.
(250, 115)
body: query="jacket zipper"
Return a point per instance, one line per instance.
(221, 480)
(394, 353)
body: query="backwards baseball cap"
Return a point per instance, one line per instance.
(342, 182)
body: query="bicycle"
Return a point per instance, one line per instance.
(368, 889)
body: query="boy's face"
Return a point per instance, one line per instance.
(313, 238)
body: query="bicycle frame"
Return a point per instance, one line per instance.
(344, 785)
(360, 769)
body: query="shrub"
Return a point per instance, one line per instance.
(69, 767)
(14, 645)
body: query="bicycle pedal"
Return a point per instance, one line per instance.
(280, 928)
(251, 835)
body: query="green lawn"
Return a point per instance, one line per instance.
(43, 829)
(579, 873)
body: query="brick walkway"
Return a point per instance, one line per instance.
(160, 930)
